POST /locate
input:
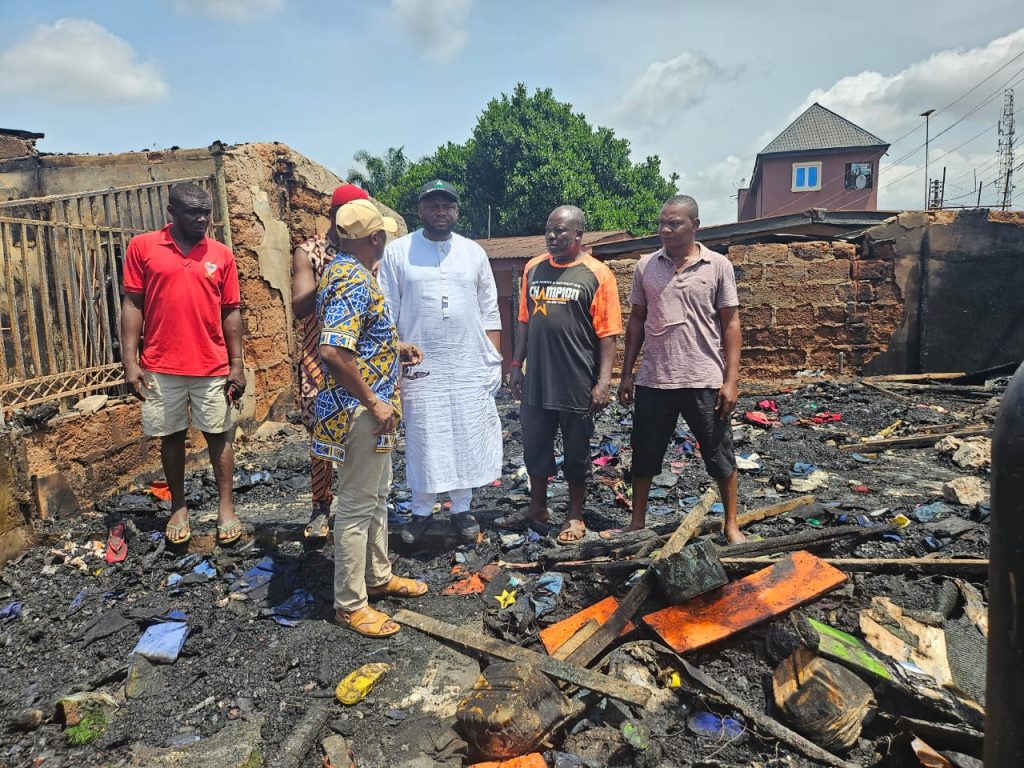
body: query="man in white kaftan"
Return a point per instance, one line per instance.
(441, 294)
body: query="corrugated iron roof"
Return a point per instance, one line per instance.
(821, 128)
(528, 246)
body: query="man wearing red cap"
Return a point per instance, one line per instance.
(308, 263)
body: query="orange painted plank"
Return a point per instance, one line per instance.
(555, 636)
(706, 619)
(532, 760)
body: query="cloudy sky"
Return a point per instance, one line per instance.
(703, 85)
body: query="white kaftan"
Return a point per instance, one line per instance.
(443, 299)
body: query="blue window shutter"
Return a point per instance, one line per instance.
(800, 172)
(812, 176)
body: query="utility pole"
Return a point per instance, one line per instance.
(936, 202)
(926, 115)
(1005, 183)
(942, 194)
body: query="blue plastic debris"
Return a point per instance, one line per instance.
(545, 594)
(789, 419)
(931, 544)
(928, 512)
(714, 727)
(892, 537)
(205, 569)
(257, 576)
(864, 522)
(163, 641)
(689, 501)
(10, 612)
(861, 459)
(155, 535)
(77, 602)
(801, 469)
(717, 508)
(299, 606)
(173, 580)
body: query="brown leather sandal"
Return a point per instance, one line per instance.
(398, 587)
(367, 622)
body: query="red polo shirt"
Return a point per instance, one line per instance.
(182, 301)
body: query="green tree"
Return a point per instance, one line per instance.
(529, 154)
(381, 172)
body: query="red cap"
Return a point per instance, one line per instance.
(346, 193)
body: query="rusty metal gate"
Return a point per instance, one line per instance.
(60, 287)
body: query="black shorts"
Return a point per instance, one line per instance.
(539, 428)
(654, 422)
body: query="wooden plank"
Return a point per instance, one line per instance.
(640, 591)
(30, 305)
(812, 537)
(44, 297)
(558, 634)
(914, 377)
(574, 642)
(20, 372)
(888, 392)
(948, 566)
(746, 518)
(556, 668)
(704, 620)
(913, 441)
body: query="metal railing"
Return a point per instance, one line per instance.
(60, 286)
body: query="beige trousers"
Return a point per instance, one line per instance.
(361, 522)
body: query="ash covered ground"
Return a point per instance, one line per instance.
(243, 678)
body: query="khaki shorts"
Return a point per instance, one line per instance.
(166, 408)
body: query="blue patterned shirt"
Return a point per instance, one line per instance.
(354, 316)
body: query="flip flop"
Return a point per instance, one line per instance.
(398, 587)
(173, 532)
(563, 535)
(517, 521)
(611, 533)
(318, 526)
(117, 546)
(367, 622)
(223, 539)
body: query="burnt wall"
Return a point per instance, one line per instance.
(963, 278)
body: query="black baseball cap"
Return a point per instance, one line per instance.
(442, 187)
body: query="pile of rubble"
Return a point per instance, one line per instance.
(849, 630)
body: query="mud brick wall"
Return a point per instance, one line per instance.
(803, 303)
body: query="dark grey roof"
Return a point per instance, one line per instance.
(820, 128)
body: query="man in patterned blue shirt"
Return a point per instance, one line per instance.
(357, 414)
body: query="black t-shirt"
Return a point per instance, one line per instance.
(569, 309)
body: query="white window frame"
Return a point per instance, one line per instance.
(794, 188)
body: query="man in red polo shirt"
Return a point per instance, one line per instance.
(181, 294)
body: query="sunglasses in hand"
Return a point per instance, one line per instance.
(412, 375)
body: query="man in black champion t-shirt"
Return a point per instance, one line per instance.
(569, 319)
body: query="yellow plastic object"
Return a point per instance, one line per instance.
(358, 684)
(901, 521)
(506, 598)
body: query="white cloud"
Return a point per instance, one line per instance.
(669, 88)
(77, 61)
(231, 10)
(890, 105)
(438, 27)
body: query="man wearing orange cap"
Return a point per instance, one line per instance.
(308, 263)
